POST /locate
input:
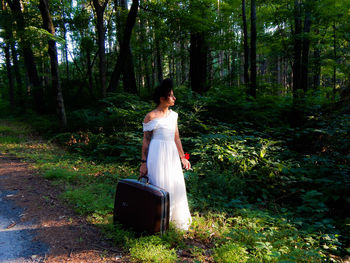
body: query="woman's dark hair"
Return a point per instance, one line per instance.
(163, 90)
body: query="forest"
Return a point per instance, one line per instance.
(263, 97)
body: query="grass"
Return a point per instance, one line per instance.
(242, 235)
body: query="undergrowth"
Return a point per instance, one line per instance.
(261, 189)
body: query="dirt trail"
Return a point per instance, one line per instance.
(36, 226)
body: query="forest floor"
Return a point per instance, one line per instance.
(36, 226)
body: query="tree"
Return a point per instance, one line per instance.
(6, 45)
(99, 9)
(48, 25)
(124, 48)
(252, 89)
(198, 51)
(245, 44)
(128, 71)
(28, 56)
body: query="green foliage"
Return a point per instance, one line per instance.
(230, 252)
(260, 190)
(151, 249)
(174, 237)
(10, 140)
(118, 234)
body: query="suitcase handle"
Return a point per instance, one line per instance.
(144, 176)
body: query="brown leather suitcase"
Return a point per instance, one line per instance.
(141, 206)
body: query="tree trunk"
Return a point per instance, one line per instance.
(198, 62)
(48, 25)
(19, 93)
(317, 68)
(9, 73)
(252, 89)
(145, 54)
(121, 8)
(278, 71)
(125, 51)
(7, 46)
(129, 79)
(182, 62)
(297, 49)
(28, 56)
(101, 43)
(89, 72)
(305, 51)
(159, 61)
(128, 73)
(65, 49)
(335, 59)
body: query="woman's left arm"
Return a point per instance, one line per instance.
(185, 163)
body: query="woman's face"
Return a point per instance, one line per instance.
(170, 101)
(171, 98)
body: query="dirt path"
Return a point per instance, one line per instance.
(36, 226)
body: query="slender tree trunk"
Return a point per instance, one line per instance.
(66, 50)
(297, 49)
(170, 68)
(305, 51)
(182, 62)
(159, 61)
(63, 29)
(278, 70)
(335, 59)
(101, 42)
(7, 46)
(125, 49)
(145, 59)
(210, 69)
(89, 72)
(19, 93)
(9, 73)
(317, 68)
(252, 90)
(48, 25)
(28, 56)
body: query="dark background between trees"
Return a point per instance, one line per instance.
(263, 91)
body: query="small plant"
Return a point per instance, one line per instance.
(151, 249)
(174, 237)
(231, 252)
(118, 234)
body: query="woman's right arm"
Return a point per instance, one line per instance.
(147, 135)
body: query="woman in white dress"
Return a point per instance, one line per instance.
(162, 154)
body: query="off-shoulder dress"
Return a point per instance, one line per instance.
(164, 167)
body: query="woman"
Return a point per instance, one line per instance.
(162, 152)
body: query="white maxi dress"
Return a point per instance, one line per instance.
(164, 167)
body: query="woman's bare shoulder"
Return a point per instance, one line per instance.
(150, 116)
